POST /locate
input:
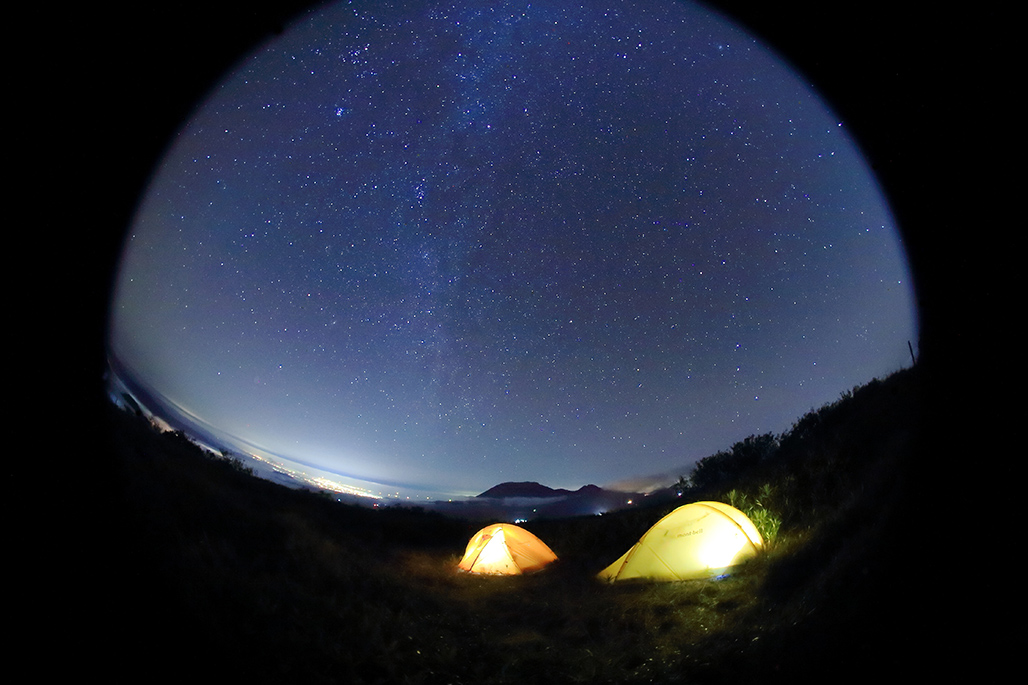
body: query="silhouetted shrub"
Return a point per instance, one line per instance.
(733, 463)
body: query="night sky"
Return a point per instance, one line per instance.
(445, 247)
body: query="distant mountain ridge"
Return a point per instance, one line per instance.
(528, 499)
(533, 489)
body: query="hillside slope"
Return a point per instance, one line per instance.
(214, 571)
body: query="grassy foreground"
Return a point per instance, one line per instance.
(213, 573)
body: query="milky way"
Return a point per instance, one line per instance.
(468, 243)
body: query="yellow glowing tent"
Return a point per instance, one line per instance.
(505, 549)
(698, 540)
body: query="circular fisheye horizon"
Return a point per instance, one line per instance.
(442, 248)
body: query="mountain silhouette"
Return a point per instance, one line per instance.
(533, 489)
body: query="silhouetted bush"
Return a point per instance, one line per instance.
(727, 465)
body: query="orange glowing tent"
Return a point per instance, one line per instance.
(505, 549)
(698, 540)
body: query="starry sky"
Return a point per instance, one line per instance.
(441, 246)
